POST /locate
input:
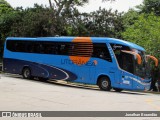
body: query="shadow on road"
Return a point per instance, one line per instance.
(74, 85)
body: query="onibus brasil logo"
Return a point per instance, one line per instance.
(21, 114)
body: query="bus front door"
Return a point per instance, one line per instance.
(127, 70)
(126, 80)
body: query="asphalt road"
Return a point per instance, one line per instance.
(17, 94)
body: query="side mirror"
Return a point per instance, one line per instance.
(138, 57)
(153, 58)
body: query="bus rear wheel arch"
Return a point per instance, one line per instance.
(26, 73)
(104, 83)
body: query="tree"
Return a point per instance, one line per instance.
(105, 23)
(145, 32)
(129, 18)
(150, 6)
(5, 7)
(59, 5)
(32, 22)
(64, 12)
(99, 23)
(67, 3)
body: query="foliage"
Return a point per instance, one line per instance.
(67, 19)
(5, 7)
(105, 23)
(142, 26)
(33, 22)
(129, 18)
(145, 32)
(99, 23)
(150, 6)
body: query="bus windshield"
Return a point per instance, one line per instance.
(142, 70)
(128, 62)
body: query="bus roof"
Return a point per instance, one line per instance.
(94, 40)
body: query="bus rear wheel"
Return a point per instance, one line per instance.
(26, 73)
(104, 83)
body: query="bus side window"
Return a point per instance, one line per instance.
(54, 48)
(100, 50)
(16, 46)
(30, 47)
(38, 48)
(50, 48)
(10, 45)
(63, 49)
(20, 46)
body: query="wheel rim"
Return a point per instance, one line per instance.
(26, 73)
(104, 84)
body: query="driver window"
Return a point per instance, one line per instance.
(124, 60)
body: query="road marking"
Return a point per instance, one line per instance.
(151, 103)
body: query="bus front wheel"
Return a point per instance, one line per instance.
(104, 83)
(26, 73)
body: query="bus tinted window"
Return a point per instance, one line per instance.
(43, 47)
(16, 46)
(100, 50)
(50, 48)
(83, 49)
(63, 48)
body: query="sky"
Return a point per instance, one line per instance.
(120, 5)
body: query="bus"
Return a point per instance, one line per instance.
(107, 62)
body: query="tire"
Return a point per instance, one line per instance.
(117, 89)
(26, 73)
(104, 84)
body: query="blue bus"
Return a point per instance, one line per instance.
(107, 62)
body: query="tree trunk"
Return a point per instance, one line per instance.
(50, 3)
